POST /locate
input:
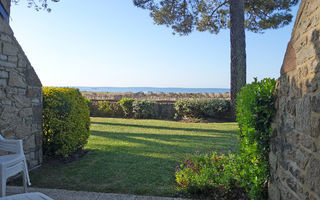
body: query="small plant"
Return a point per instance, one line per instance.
(126, 105)
(210, 175)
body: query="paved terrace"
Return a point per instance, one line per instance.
(59, 194)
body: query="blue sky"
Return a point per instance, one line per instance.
(113, 43)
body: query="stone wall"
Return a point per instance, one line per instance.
(20, 95)
(295, 147)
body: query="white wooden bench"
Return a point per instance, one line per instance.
(27, 196)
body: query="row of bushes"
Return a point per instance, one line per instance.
(128, 108)
(230, 176)
(145, 109)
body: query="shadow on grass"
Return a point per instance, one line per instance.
(169, 143)
(112, 172)
(141, 163)
(165, 128)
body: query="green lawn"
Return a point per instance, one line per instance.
(136, 156)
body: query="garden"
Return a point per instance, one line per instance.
(158, 157)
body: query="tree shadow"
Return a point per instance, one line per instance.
(165, 128)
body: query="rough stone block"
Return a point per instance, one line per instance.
(10, 49)
(7, 64)
(3, 82)
(16, 80)
(32, 78)
(25, 112)
(3, 57)
(13, 59)
(292, 183)
(37, 114)
(313, 174)
(6, 38)
(4, 74)
(303, 114)
(301, 158)
(307, 142)
(274, 192)
(34, 92)
(315, 103)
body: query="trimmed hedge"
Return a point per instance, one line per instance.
(66, 121)
(202, 108)
(254, 111)
(246, 174)
(145, 109)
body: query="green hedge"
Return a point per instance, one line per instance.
(246, 174)
(66, 121)
(254, 111)
(126, 105)
(145, 109)
(202, 108)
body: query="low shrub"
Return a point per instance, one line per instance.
(103, 107)
(66, 121)
(127, 107)
(115, 111)
(210, 175)
(254, 112)
(145, 109)
(202, 108)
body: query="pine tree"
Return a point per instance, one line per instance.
(183, 16)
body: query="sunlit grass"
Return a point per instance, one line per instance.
(136, 156)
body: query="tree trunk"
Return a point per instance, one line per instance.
(238, 50)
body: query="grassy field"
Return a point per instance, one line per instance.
(136, 156)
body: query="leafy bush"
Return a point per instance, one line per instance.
(210, 175)
(255, 111)
(145, 109)
(104, 106)
(202, 108)
(248, 172)
(115, 111)
(66, 121)
(126, 105)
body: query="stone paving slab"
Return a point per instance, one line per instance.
(59, 194)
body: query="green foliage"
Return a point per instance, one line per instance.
(210, 175)
(213, 15)
(66, 121)
(40, 5)
(115, 111)
(104, 106)
(145, 109)
(126, 105)
(200, 108)
(247, 172)
(255, 111)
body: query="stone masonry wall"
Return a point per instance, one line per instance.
(20, 95)
(295, 147)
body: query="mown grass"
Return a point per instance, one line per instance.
(136, 156)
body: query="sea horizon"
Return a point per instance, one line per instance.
(151, 89)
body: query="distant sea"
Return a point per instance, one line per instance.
(153, 89)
